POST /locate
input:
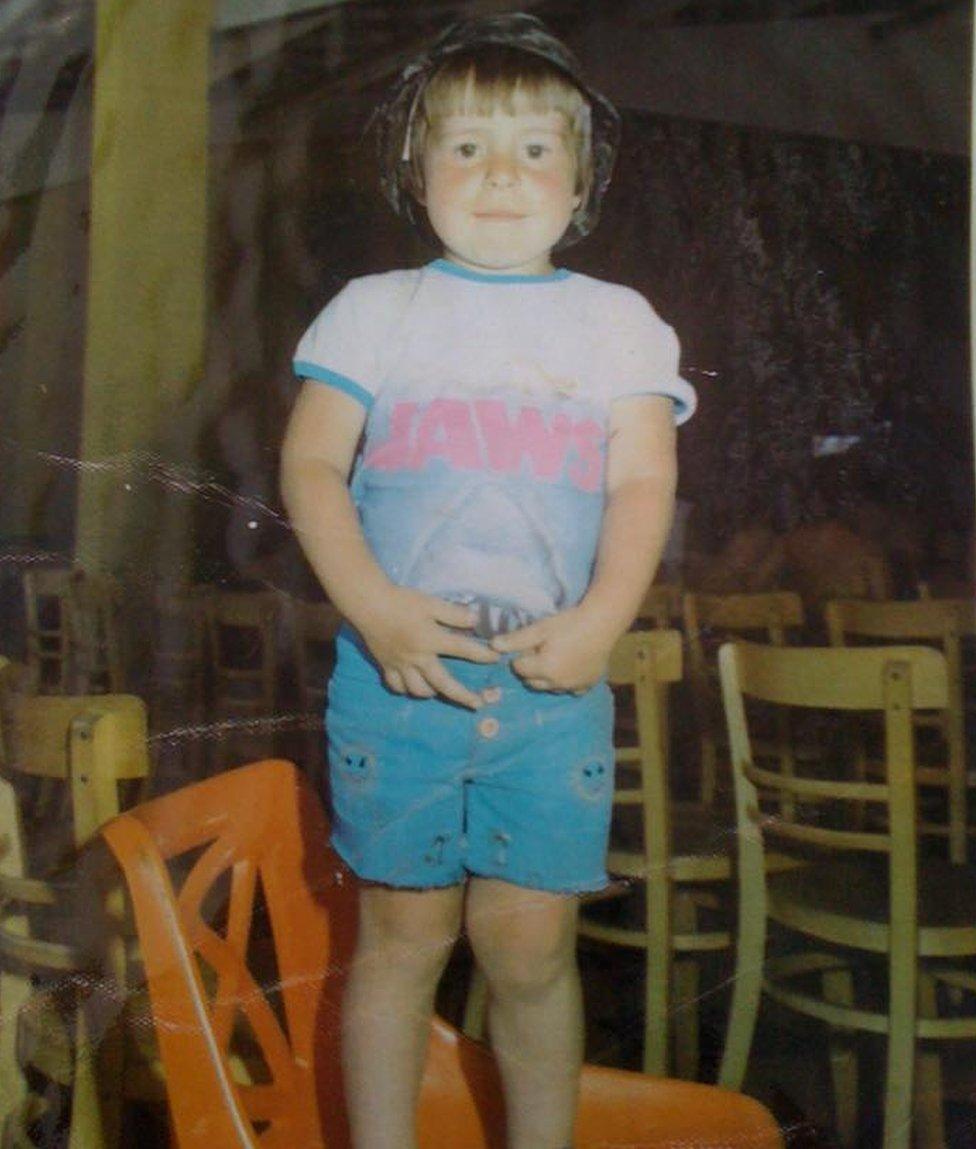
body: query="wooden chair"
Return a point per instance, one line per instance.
(314, 626)
(709, 620)
(242, 633)
(90, 746)
(48, 603)
(864, 898)
(74, 644)
(247, 922)
(672, 861)
(943, 623)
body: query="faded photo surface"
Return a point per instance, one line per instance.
(192, 196)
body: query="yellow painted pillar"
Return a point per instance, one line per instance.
(144, 350)
(972, 275)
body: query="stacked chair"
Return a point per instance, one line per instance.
(710, 619)
(665, 885)
(92, 752)
(74, 642)
(944, 624)
(872, 935)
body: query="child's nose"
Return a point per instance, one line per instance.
(502, 171)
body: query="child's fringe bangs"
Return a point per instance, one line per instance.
(502, 80)
(509, 83)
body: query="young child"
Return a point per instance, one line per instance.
(509, 427)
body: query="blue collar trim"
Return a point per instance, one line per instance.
(449, 268)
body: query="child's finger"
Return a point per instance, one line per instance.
(448, 686)
(458, 646)
(525, 638)
(416, 684)
(394, 680)
(529, 666)
(453, 614)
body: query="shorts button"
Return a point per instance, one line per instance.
(492, 694)
(488, 727)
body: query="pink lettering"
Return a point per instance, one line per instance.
(394, 453)
(446, 432)
(506, 443)
(586, 470)
(447, 429)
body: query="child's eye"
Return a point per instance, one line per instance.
(537, 151)
(466, 150)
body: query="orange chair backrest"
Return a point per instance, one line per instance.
(252, 846)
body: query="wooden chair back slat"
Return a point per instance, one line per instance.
(942, 623)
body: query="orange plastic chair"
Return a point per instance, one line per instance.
(251, 945)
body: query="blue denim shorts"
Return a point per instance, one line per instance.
(426, 793)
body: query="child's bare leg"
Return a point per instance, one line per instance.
(405, 937)
(525, 942)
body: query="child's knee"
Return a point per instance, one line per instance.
(524, 963)
(412, 934)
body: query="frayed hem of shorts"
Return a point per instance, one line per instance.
(606, 882)
(564, 891)
(387, 883)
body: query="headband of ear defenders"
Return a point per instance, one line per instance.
(393, 119)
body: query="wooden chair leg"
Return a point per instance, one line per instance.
(15, 988)
(929, 1123)
(838, 987)
(686, 981)
(900, 1065)
(14, 992)
(746, 992)
(86, 1130)
(657, 974)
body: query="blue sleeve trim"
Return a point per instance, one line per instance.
(333, 378)
(684, 398)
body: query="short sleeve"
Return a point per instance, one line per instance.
(340, 346)
(643, 353)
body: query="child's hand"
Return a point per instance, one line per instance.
(407, 635)
(568, 651)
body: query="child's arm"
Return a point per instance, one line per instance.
(405, 630)
(570, 650)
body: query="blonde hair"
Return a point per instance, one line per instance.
(497, 78)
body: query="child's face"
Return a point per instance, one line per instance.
(500, 189)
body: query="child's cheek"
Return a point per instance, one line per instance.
(446, 185)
